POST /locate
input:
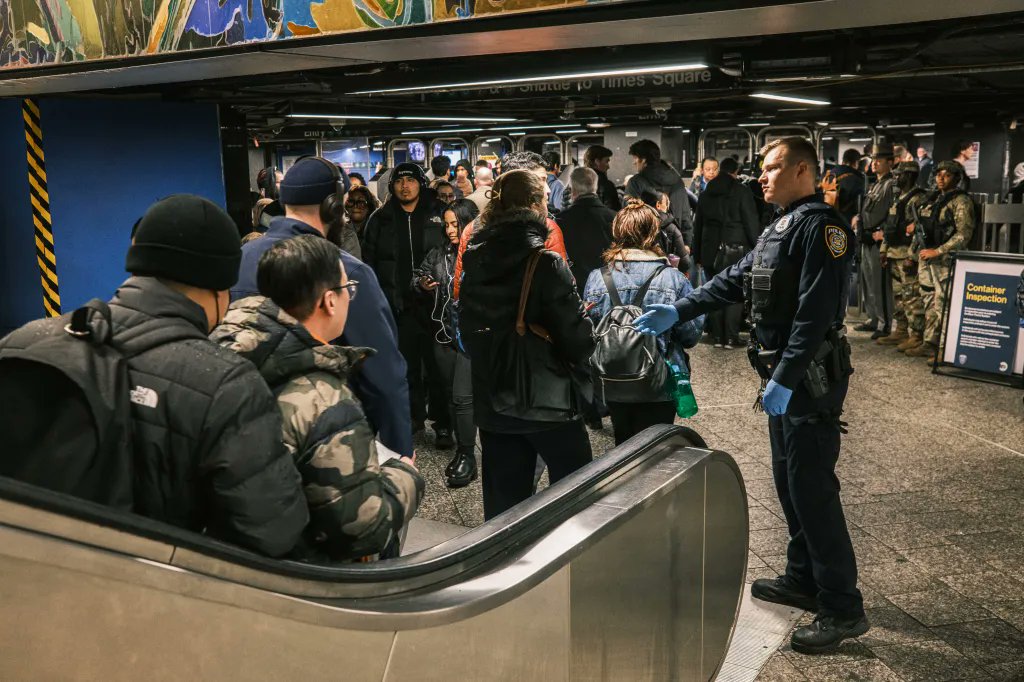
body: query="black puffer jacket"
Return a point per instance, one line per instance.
(494, 266)
(726, 214)
(671, 240)
(661, 177)
(206, 429)
(395, 241)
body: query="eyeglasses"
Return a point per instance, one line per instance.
(447, 198)
(358, 202)
(351, 286)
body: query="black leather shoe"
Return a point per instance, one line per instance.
(826, 633)
(781, 590)
(461, 471)
(443, 439)
(880, 334)
(869, 326)
(594, 424)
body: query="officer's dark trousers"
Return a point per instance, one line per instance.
(805, 448)
(416, 343)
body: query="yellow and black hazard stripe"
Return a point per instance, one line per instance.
(45, 255)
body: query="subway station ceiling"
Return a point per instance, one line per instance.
(860, 74)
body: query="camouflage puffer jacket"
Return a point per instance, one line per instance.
(356, 506)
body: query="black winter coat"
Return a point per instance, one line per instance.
(206, 429)
(672, 241)
(395, 241)
(726, 214)
(661, 177)
(587, 232)
(608, 193)
(494, 267)
(439, 265)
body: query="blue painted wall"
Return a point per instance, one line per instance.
(21, 295)
(107, 161)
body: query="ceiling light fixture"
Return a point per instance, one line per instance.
(571, 131)
(493, 139)
(517, 134)
(360, 117)
(665, 68)
(442, 131)
(457, 119)
(791, 98)
(752, 125)
(924, 134)
(859, 139)
(598, 125)
(533, 127)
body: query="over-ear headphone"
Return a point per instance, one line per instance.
(333, 205)
(267, 181)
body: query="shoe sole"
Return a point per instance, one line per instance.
(455, 486)
(830, 648)
(811, 606)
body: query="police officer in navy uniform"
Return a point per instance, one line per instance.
(795, 284)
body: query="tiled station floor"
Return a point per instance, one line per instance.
(932, 475)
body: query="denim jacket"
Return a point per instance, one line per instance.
(630, 270)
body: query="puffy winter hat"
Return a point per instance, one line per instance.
(187, 239)
(309, 182)
(409, 170)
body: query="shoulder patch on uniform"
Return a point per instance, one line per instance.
(835, 240)
(783, 223)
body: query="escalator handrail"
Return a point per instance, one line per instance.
(520, 524)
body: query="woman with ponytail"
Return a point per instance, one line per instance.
(633, 258)
(526, 377)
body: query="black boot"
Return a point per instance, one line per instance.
(443, 439)
(881, 333)
(826, 633)
(461, 471)
(782, 590)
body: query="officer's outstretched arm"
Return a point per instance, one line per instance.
(827, 253)
(725, 289)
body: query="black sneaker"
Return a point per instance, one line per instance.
(880, 334)
(781, 590)
(443, 439)
(826, 633)
(869, 326)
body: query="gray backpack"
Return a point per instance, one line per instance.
(627, 365)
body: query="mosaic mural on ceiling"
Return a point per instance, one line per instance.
(36, 32)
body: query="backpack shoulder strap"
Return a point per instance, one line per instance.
(642, 291)
(613, 293)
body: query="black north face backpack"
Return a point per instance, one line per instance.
(627, 365)
(65, 407)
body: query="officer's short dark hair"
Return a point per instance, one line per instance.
(797, 149)
(647, 150)
(552, 160)
(851, 157)
(594, 153)
(960, 146)
(440, 165)
(728, 166)
(294, 273)
(522, 161)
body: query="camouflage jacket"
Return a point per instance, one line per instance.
(960, 212)
(356, 506)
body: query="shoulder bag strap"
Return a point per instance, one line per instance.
(609, 283)
(524, 293)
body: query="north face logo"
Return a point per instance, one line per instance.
(146, 397)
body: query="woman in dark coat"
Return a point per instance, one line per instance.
(434, 279)
(535, 411)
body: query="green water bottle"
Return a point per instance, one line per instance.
(682, 392)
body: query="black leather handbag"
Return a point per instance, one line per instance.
(530, 381)
(728, 255)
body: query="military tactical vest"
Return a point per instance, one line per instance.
(895, 227)
(938, 229)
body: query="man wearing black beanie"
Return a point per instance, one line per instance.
(381, 384)
(206, 429)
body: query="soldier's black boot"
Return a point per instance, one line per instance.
(461, 471)
(781, 590)
(826, 633)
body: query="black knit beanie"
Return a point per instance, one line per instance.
(309, 181)
(187, 239)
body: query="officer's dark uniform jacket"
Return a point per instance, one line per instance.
(206, 429)
(876, 207)
(396, 241)
(810, 249)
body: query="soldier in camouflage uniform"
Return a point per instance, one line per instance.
(896, 251)
(945, 224)
(357, 507)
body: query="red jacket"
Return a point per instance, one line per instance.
(554, 243)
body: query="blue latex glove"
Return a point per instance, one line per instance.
(776, 398)
(657, 319)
